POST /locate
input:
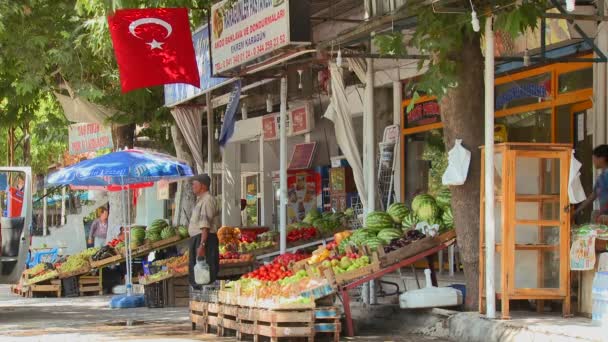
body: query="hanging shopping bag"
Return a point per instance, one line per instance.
(576, 193)
(459, 159)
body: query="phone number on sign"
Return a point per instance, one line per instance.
(252, 52)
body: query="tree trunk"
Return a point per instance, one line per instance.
(185, 198)
(462, 112)
(27, 147)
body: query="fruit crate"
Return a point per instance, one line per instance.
(208, 294)
(343, 278)
(107, 261)
(161, 243)
(178, 292)
(203, 315)
(75, 273)
(145, 281)
(327, 321)
(69, 287)
(90, 285)
(227, 321)
(276, 324)
(46, 289)
(414, 248)
(155, 295)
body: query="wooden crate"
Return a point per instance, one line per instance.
(204, 315)
(161, 243)
(410, 250)
(275, 324)
(178, 292)
(49, 287)
(327, 320)
(107, 261)
(227, 320)
(80, 271)
(344, 278)
(90, 285)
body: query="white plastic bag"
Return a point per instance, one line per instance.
(459, 159)
(576, 193)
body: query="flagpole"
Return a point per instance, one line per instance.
(283, 168)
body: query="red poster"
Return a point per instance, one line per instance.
(299, 120)
(269, 126)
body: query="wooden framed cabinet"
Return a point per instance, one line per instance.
(532, 225)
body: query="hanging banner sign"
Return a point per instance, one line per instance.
(178, 93)
(162, 190)
(89, 137)
(246, 30)
(299, 121)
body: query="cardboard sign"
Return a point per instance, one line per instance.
(89, 137)
(162, 190)
(391, 134)
(582, 253)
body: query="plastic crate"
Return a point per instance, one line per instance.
(70, 287)
(155, 295)
(207, 294)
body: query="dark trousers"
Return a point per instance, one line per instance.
(212, 257)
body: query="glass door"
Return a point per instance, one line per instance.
(538, 222)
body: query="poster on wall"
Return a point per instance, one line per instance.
(303, 192)
(89, 137)
(299, 121)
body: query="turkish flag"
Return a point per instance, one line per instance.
(153, 46)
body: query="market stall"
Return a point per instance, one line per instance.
(294, 286)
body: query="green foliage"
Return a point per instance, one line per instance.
(434, 151)
(441, 37)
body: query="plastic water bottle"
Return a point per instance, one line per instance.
(600, 298)
(201, 272)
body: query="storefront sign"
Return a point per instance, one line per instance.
(299, 121)
(177, 93)
(246, 30)
(522, 91)
(89, 137)
(423, 114)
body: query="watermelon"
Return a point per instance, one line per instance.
(418, 200)
(360, 235)
(373, 243)
(138, 233)
(409, 221)
(448, 218)
(428, 210)
(157, 226)
(437, 221)
(389, 234)
(153, 236)
(444, 198)
(167, 233)
(378, 220)
(183, 232)
(397, 212)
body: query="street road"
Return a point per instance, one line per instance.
(90, 319)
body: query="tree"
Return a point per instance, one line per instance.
(455, 76)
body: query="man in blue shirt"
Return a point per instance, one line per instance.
(600, 190)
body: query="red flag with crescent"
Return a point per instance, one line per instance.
(153, 46)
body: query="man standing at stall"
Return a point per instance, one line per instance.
(204, 223)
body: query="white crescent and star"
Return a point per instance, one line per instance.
(154, 44)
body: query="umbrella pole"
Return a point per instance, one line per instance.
(128, 243)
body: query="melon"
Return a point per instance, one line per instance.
(397, 212)
(378, 220)
(409, 221)
(167, 233)
(444, 198)
(428, 210)
(183, 232)
(418, 200)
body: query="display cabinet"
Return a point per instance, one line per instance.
(532, 225)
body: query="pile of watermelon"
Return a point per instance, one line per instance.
(161, 230)
(435, 210)
(138, 234)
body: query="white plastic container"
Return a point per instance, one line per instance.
(600, 298)
(430, 297)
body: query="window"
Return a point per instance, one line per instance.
(532, 126)
(575, 80)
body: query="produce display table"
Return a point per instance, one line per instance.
(343, 289)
